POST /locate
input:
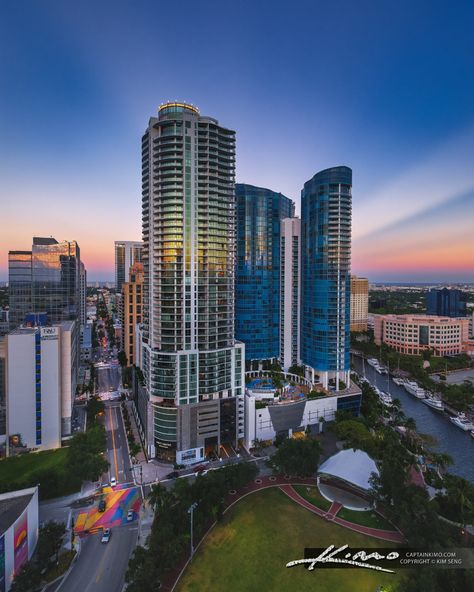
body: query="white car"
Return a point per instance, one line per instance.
(113, 482)
(106, 535)
(129, 515)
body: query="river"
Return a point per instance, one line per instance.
(458, 444)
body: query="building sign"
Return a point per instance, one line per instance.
(188, 457)
(49, 333)
(20, 542)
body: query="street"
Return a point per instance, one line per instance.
(101, 567)
(117, 451)
(108, 377)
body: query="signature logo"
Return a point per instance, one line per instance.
(337, 556)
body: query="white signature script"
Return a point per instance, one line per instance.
(358, 559)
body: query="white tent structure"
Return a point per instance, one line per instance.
(345, 477)
(354, 466)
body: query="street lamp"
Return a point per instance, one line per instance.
(191, 509)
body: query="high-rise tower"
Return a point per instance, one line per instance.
(326, 211)
(193, 366)
(257, 291)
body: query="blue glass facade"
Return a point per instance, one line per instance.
(257, 282)
(326, 207)
(446, 303)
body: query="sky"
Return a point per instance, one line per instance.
(385, 88)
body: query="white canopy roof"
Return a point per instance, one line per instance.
(354, 466)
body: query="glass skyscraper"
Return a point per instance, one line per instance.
(127, 253)
(326, 211)
(45, 279)
(446, 302)
(257, 284)
(192, 364)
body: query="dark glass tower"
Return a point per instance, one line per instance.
(326, 211)
(257, 281)
(446, 303)
(45, 279)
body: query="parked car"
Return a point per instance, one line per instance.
(130, 515)
(102, 505)
(113, 482)
(200, 468)
(172, 475)
(106, 535)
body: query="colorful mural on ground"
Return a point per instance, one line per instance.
(20, 542)
(118, 502)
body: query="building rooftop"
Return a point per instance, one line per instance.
(12, 506)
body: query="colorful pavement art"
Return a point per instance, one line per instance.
(118, 501)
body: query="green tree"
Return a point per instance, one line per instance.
(122, 359)
(49, 542)
(297, 457)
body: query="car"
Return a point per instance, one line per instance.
(130, 515)
(113, 482)
(106, 535)
(101, 506)
(172, 475)
(200, 468)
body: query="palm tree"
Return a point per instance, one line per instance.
(461, 492)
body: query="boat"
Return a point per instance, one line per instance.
(385, 398)
(399, 381)
(461, 421)
(373, 362)
(434, 403)
(472, 434)
(414, 389)
(381, 369)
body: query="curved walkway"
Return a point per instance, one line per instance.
(331, 514)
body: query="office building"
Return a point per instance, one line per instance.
(413, 334)
(257, 275)
(45, 279)
(446, 302)
(359, 303)
(131, 308)
(3, 389)
(127, 253)
(4, 321)
(193, 366)
(325, 276)
(19, 528)
(290, 285)
(41, 371)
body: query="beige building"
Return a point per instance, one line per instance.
(131, 307)
(359, 303)
(412, 334)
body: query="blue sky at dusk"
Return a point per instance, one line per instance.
(385, 88)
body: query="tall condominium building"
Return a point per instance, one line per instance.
(359, 303)
(41, 370)
(126, 254)
(45, 279)
(193, 366)
(131, 308)
(82, 294)
(257, 278)
(325, 278)
(290, 285)
(446, 303)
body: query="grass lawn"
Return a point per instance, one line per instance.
(368, 518)
(49, 468)
(259, 535)
(312, 495)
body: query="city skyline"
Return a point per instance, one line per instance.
(400, 117)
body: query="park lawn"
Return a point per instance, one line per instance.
(48, 468)
(369, 518)
(249, 550)
(311, 494)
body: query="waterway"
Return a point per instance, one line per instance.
(449, 438)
